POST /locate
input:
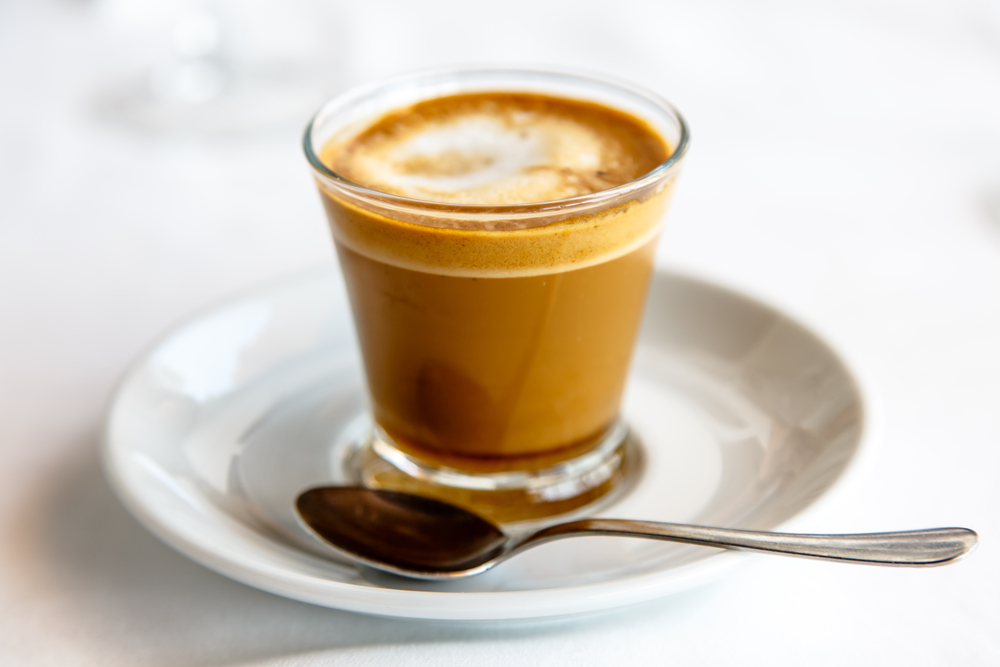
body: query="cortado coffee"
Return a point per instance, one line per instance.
(496, 276)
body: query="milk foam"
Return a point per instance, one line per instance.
(495, 149)
(492, 151)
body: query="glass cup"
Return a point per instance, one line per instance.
(496, 339)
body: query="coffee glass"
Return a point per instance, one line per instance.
(496, 339)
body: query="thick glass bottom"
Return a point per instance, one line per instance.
(514, 499)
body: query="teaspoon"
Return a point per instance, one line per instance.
(424, 538)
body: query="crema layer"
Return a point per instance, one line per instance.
(559, 246)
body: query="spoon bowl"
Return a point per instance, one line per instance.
(424, 538)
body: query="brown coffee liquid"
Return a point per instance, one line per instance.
(485, 345)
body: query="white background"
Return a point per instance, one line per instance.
(845, 166)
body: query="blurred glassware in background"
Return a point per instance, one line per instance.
(221, 67)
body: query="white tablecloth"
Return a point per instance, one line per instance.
(845, 166)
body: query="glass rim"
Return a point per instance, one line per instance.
(660, 171)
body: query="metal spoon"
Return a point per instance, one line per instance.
(423, 538)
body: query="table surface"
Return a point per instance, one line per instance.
(845, 166)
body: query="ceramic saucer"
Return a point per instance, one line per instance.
(745, 419)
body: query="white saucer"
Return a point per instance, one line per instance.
(746, 419)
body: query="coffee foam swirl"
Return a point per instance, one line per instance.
(498, 149)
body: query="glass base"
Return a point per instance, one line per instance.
(523, 499)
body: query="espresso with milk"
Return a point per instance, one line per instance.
(495, 336)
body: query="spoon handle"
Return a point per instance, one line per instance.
(935, 546)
